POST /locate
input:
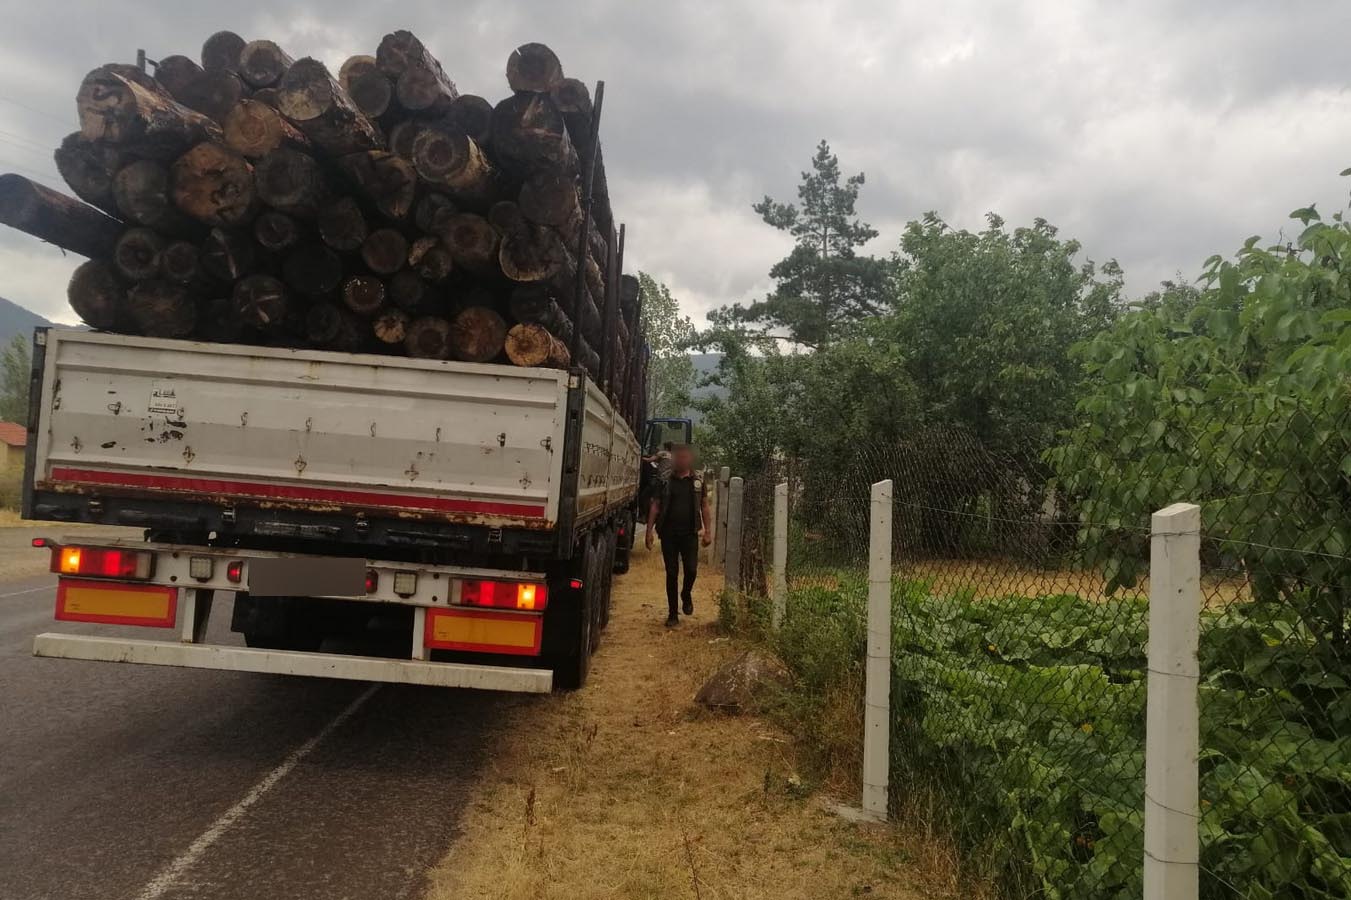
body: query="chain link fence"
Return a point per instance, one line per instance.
(1020, 608)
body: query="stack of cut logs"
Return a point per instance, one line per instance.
(258, 199)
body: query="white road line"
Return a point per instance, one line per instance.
(171, 873)
(45, 587)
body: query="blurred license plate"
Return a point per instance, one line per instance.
(307, 577)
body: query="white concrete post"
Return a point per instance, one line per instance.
(877, 691)
(720, 532)
(1172, 833)
(732, 552)
(779, 584)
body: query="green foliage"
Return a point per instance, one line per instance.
(670, 375)
(15, 369)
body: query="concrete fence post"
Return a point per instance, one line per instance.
(720, 514)
(877, 691)
(732, 552)
(779, 583)
(1172, 725)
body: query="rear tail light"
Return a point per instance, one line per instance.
(234, 571)
(103, 562)
(504, 595)
(575, 584)
(372, 580)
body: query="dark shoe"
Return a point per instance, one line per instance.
(672, 620)
(688, 607)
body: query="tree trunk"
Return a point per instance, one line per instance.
(256, 129)
(391, 326)
(161, 308)
(533, 254)
(428, 338)
(53, 217)
(473, 243)
(530, 131)
(96, 294)
(333, 328)
(221, 52)
(263, 64)
(312, 269)
(505, 216)
(314, 102)
(219, 322)
(532, 345)
(403, 137)
(550, 198)
(214, 185)
(455, 162)
(89, 168)
(143, 195)
(470, 114)
(213, 94)
(342, 226)
(410, 293)
(477, 334)
(276, 231)
(534, 67)
(137, 254)
(292, 182)
(385, 179)
(574, 100)
(373, 93)
(353, 68)
(175, 73)
(261, 302)
(400, 51)
(431, 259)
(228, 255)
(385, 251)
(364, 295)
(115, 105)
(181, 262)
(432, 212)
(628, 296)
(424, 88)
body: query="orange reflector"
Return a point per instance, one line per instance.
(483, 632)
(116, 604)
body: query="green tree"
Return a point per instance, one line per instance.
(15, 368)
(670, 374)
(823, 285)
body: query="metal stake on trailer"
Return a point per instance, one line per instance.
(588, 182)
(617, 281)
(607, 313)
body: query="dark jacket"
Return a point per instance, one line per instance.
(664, 502)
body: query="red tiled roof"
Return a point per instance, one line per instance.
(13, 434)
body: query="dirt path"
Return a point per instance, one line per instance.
(628, 790)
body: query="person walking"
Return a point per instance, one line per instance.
(679, 513)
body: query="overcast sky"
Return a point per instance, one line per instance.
(1155, 132)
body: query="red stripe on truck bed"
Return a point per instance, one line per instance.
(266, 491)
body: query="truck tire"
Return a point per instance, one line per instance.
(609, 565)
(568, 625)
(624, 543)
(274, 623)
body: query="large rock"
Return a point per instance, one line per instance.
(744, 683)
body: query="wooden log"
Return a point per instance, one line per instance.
(550, 198)
(529, 130)
(533, 254)
(228, 255)
(175, 73)
(311, 99)
(181, 262)
(364, 295)
(401, 50)
(255, 129)
(471, 115)
(403, 137)
(629, 287)
(292, 182)
(534, 67)
(213, 94)
(477, 334)
(311, 269)
(574, 101)
(505, 216)
(342, 225)
(220, 52)
(117, 106)
(159, 308)
(428, 337)
(409, 292)
(89, 167)
(456, 163)
(595, 280)
(472, 242)
(53, 217)
(143, 193)
(214, 185)
(263, 64)
(261, 302)
(266, 96)
(373, 94)
(96, 294)
(219, 322)
(573, 98)
(541, 304)
(390, 326)
(385, 179)
(423, 88)
(431, 212)
(431, 259)
(276, 231)
(333, 328)
(136, 255)
(532, 345)
(385, 251)
(354, 67)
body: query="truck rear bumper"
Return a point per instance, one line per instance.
(289, 662)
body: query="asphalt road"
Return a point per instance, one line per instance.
(139, 782)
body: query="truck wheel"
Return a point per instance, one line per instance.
(273, 623)
(568, 627)
(609, 565)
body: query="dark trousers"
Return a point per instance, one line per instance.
(678, 550)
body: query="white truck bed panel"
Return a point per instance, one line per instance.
(461, 442)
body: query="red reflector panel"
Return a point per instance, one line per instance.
(116, 604)
(102, 562)
(504, 595)
(483, 632)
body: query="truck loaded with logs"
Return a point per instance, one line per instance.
(360, 356)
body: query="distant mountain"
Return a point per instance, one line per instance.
(14, 319)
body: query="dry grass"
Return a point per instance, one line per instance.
(627, 790)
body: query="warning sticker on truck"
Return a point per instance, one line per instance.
(163, 402)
